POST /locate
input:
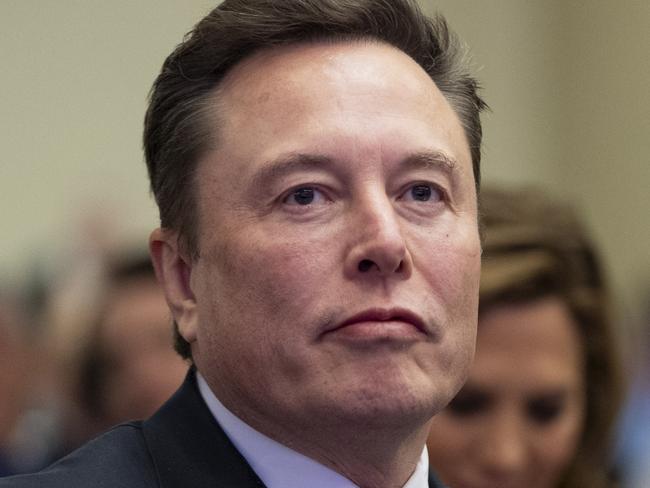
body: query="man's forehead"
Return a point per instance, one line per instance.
(322, 62)
(342, 100)
(321, 79)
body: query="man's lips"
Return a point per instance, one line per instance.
(378, 322)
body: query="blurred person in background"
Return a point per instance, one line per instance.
(26, 422)
(127, 367)
(15, 381)
(97, 352)
(542, 396)
(101, 352)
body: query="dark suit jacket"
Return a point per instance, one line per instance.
(180, 446)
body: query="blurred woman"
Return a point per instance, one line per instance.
(540, 401)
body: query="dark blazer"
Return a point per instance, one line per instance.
(180, 446)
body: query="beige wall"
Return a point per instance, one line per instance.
(569, 88)
(568, 83)
(75, 77)
(606, 163)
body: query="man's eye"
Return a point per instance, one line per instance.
(305, 196)
(423, 193)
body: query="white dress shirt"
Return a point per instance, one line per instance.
(277, 465)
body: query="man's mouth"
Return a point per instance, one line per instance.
(383, 324)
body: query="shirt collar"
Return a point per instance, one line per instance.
(277, 465)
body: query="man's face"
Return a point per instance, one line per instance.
(339, 252)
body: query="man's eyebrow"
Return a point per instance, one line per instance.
(286, 164)
(432, 160)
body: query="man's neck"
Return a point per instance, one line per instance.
(377, 456)
(374, 459)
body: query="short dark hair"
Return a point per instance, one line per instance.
(176, 130)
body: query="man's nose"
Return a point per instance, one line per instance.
(378, 246)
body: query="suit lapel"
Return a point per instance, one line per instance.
(189, 448)
(434, 482)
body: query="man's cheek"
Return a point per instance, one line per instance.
(289, 274)
(453, 275)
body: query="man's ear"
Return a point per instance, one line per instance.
(173, 270)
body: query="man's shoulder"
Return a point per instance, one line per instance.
(180, 445)
(118, 457)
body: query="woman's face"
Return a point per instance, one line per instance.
(518, 419)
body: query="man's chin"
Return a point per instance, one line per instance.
(386, 404)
